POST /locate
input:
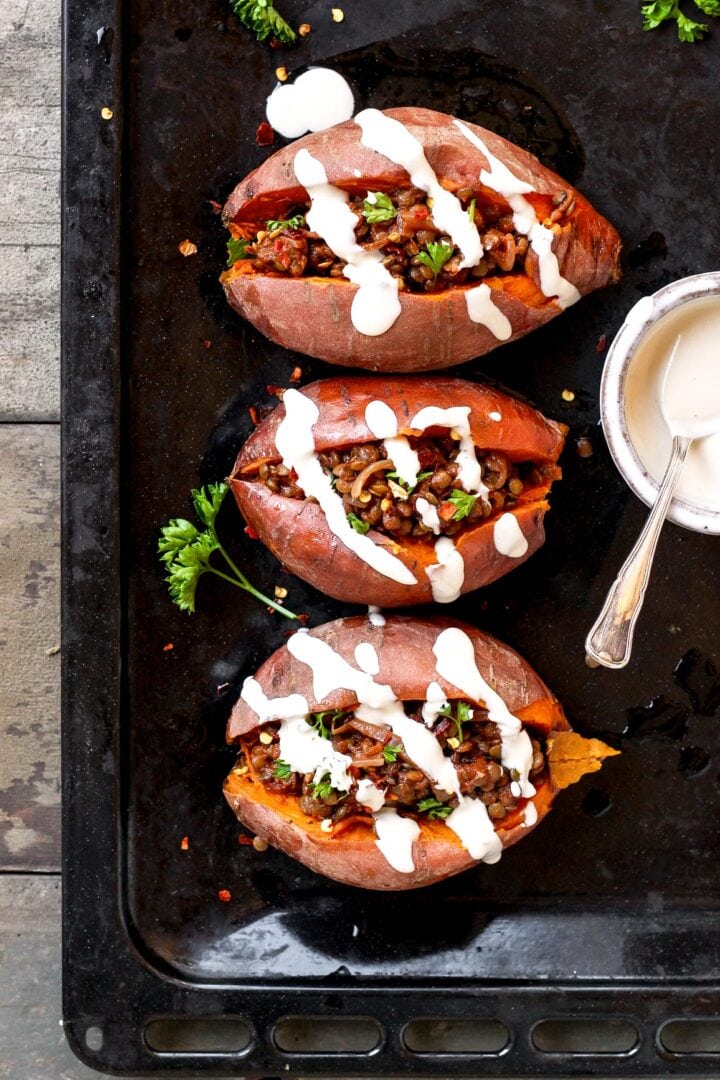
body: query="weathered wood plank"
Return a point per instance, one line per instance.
(29, 647)
(32, 1044)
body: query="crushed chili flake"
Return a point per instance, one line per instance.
(296, 374)
(601, 343)
(446, 511)
(275, 43)
(185, 843)
(303, 618)
(244, 840)
(168, 647)
(252, 533)
(187, 248)
(225, 895)
(254, 415)
(207, 343)
(216, 207)
(264, 136)
(276, 391)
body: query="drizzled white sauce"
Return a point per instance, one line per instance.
(435, 700)
(368, 794)
(318, 99)
(455, 662)
(473, 826)
(296, 445)
(458, 420)
(392, 139)
(376, 304)
(395, 838)
(448, 573)
(531, 815)
(375, 616)
(366, 658)
(382, 422)
(500, 179)
(428, 515)
(495, 416)
(481, 309)
(421, 746)
(508, 537)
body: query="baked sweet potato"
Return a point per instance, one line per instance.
(291, 285)
(517, 449)
(326, 825)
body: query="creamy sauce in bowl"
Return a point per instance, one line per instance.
(697, 322)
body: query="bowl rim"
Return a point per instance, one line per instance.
(641, 318)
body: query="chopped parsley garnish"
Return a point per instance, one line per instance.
(323, 721)
(237, 249)
(295, 222)
(435, 256)
(323, 789)
(185, 552)
(463, 501)
(282, 770)
(357, 523)
(390, 753)
(660, 11)
(434, 808)
(462, 714)
(381, 209)
(407, 489)
(262, 17)
(471, 211)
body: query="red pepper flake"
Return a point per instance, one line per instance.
(254, 415)
(303, 618)
(185, 843)
(276, 391)
(187, 248)
(207, 343)
(446, 511)
(168, 647)
(601, 344)
(296, 374)
(216, 207)
(251, 532)
(265, 136)
(421, 212)
(244, 840)
(275, 43)
(225, 895)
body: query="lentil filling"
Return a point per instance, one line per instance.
(399, 224)
(375, 497)
(465, 734)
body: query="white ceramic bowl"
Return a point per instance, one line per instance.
(638, 322)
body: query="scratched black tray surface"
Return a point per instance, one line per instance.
(610, 908)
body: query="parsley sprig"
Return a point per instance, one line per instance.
(323, 721)
(463, 501)
(435, 256)
(237, 248)
(659, 11)
(186, 553)
(391, 752)
(358, 524)
(379, 208)
(462, 715)
(263, 18)
(403, 484)
(282, 770)
(297, 221)
(434, 808)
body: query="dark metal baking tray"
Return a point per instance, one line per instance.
(610, 909)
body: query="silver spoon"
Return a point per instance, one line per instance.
(690, 405)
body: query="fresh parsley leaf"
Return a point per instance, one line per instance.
(357, 523)
(382, 209)
(262, 17)
(295, 222)
(660, 11)
(460, 714)
(709, 7)
(434, 808)
(185, 552)
(323, 789)
(404, 487)
(237, 248)
(463, 501)
(689, 30)
(390, 753)
(471, 211)
(435, 256)
(323, 721)
(282, 770)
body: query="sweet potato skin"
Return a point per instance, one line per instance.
(312, 315)
(297, 532)
(404, 648)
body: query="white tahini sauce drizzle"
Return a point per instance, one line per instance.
(318, 99)
(368, 794)
(495, 416)
(531, 815)
(382, 422)
(457, 419)
(428, 515)
(392, 139)
(376, 304)
(295, 444)
(508, 537)
(375, 616)
(448, 573)
(395, 838)
(481, 309)
(420, 744)
(455, 662)
(500, 179)
(435, 700)
(366, 658)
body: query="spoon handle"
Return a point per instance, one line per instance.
(610, 640)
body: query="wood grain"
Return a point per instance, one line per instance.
(29, 647)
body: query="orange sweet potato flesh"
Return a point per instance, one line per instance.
(312, 314)
(297, 532)
(404, 648)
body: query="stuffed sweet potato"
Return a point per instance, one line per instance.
(398, 491)
(392, 756)
(409, 241)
